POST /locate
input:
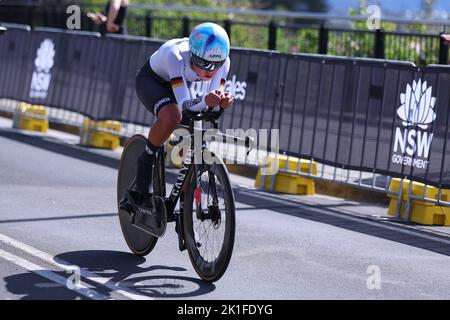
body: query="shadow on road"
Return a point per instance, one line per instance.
(125, 269)
(31, 286)
(118, 268)
(57, 146)
(319, 213)
(86, 216)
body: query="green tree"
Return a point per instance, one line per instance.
(295, 5)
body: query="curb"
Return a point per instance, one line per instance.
(65, 128)
(242, 170)
(349, 192)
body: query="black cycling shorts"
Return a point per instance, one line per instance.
(153, 91)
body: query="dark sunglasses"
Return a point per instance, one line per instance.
(205, 64)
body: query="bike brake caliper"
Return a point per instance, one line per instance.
(198, 195)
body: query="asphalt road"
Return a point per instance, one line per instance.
(58, 223)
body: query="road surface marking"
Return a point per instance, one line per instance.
(114, 286)
(51, 275)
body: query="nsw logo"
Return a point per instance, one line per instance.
(44, 62)
(417, 105)
(412, 144)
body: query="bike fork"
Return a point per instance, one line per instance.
(179, 224)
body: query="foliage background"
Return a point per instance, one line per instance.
(413, 42)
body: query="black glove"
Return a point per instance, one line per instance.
(214, 115)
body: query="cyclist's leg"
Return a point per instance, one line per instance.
(158, 98)
(167, 120)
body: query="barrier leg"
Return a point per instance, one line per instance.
(287, 182)
(102, 134)
(410, 203)
(31, 117)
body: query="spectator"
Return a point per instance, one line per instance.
(446, 38)
(114, 22)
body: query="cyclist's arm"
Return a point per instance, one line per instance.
(114, 7)
(219, 79)
(180, 88)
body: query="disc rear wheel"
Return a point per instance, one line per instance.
(139, 242)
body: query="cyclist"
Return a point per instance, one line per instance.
(162, 86)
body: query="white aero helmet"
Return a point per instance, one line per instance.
(209, 46)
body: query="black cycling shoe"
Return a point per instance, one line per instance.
(150, 212)
(124, 204)
(148, 202)
(136, 196)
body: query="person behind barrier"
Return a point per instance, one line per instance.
(162, 87)
(446, 38)
(114, 22)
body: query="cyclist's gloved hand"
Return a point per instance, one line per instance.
(213, 98)
(215, 114)
(226, 100)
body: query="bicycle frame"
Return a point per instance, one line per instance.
(187, 167)
(184, 175)
(200, 192)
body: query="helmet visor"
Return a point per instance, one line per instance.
(205, 64)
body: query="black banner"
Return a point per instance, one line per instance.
(380, 116)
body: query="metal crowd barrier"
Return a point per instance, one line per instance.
(363, 121)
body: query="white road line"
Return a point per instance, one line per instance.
(50, 275)
(114, 286)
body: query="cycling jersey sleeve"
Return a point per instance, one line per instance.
(219, 79)
(180, 89)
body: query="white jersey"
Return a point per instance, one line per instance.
(172, 63)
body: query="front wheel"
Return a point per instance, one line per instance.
(209, 221)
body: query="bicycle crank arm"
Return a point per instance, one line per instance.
(180, 232)
(154, 221)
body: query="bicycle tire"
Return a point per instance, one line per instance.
(139, 242)
(211, 271)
